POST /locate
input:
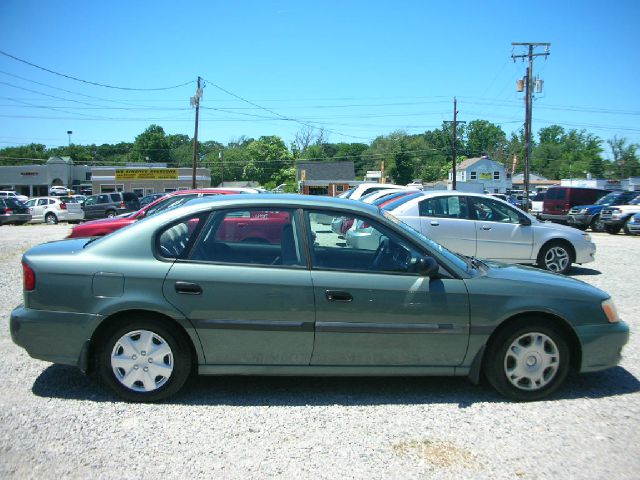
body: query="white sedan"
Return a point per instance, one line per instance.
(486, 227)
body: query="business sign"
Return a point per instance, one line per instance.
(146, 174)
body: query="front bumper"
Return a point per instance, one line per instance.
(580, 220)
(52, 336)
(602, 345)
(553, 218)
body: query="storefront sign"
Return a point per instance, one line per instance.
(146, 174)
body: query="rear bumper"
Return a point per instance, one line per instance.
(602, 345)
(15, 218)
(56, 337)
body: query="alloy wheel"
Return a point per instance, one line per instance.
(557, 259)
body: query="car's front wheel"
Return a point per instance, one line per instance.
(144, 360)
(597, 225)
(556, 257)
(528, 360)
(612, 230)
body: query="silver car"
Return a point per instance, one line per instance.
(53, 210)
(487, 227)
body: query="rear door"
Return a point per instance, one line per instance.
(446, 220)
(251, 302)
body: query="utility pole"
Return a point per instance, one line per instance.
(221, 157)
(454, 138)
(528, 80)
(195, 102)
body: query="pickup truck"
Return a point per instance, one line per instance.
(616, 218)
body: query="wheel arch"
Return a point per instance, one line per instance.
(573, 342)
(556, 240)
(110, 321)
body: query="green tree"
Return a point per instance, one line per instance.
(151, 146)
(625, 159)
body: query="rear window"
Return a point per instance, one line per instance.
(401, 201)
(13, 202)
(539, 197)
(556, 194)
(68, 200)
(115, 197)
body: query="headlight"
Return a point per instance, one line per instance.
(584, 211)
(586, 236)
(610, 311)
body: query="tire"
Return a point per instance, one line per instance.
(581, 227)
(51, 219)
(596, 224)
(142, 338)
(556, 257)
(528, 360)
(611, 230)
(111, 213)
(625, 227)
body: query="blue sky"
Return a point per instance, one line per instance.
(357, 69)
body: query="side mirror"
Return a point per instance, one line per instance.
(427, 266)
(524, 221)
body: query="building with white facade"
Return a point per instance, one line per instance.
(481, 175)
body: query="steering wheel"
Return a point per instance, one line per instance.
(379, 256)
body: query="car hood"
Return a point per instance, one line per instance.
(537, 281)
(588, 207)
(558, 227)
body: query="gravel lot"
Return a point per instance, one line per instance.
(54, 422)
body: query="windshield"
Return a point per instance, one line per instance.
(608, 199)
(171, 202)
(450, 256)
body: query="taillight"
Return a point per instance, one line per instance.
(122, 205)
(63, 206)
(8, 211)
(28, 278)
(567, 206)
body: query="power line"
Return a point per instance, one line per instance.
(71, 77)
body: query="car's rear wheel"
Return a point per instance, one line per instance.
(597, 225)
(528, 360)
(111, 214)
(144, 360)
(556, 257)
(51, 218)
(625, 227)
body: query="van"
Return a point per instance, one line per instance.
(559, 200)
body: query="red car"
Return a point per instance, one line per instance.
(104, 226)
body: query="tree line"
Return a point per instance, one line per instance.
(556, 153)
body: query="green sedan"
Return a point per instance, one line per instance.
(260, 285)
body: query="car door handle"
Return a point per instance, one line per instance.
(338, 296)
(188, 288)
(486, 227)
(433, 223)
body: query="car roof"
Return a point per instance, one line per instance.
(284, 200)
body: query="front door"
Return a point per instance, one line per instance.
(500, 235)
(372, 311)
